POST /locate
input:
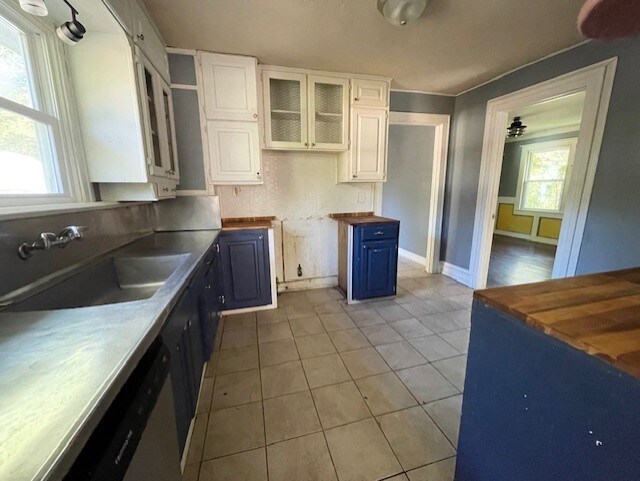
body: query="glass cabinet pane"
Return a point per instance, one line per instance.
(328, 113)
(286, 115)
(153, 117)
(169, 126)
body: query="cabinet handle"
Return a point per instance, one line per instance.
(260, 237)
(166, 189)
(356, 99)
(378, 233)
(355, 176)
(140, 36)
(313, 145)
(306, 144)
(258, 175)
(255, 116)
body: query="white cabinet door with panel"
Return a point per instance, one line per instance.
(328, 109)
(366, 161)
(285, 99)
(151, 102)
(369, 93)
(122, 11)
(230, 87)
(234, 152)
(170, 148)
(147, 38)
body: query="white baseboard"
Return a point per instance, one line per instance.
(531, 238)
(457, 273)
(410, 256)
(315, 283)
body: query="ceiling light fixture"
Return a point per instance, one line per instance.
(516, 129)
(71, 32)
(34, 7)
(401, 12)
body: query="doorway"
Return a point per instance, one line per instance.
(596, 82)
(539, 153)
(414, 191)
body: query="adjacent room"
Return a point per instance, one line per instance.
(320, 240)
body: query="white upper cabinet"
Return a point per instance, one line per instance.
(366, 161)
(328, 107)
(369, 93)
(230, 87)
(286, 118)
(122, 11)
(234, 152)
(147, 38)
(170, 147)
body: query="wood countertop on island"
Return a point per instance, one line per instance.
(598, 314)
(360, 218)
(239, 223)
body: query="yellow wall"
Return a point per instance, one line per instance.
(508, 221)
(548, 227)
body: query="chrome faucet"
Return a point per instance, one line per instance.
(47, 240)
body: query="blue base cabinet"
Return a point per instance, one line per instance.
(375, 260)
(245, 269)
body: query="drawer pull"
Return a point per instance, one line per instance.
(378, 233)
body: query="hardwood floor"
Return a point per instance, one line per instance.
(518, 261)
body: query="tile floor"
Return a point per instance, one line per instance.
(318, 390)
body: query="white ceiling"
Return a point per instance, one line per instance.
(455, 45)
(559, 113)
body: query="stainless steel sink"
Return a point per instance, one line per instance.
(112, 280)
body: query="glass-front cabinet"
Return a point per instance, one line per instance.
(328, 105)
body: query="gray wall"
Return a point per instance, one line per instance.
(613, 224)
(405, 195)
(421, 103)
(511, 161)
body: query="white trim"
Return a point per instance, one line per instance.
(546, 133)
(410, 256)
(438, 176)
(184, 87)
(181, 51)
(553, 54)
(424, 92)
(457, 273)
(597, 81)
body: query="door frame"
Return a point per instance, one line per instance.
(441, 122)
(596, 81)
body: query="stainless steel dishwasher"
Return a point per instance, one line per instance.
(136, 440)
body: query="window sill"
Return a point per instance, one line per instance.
(25, 212)
(540, 213)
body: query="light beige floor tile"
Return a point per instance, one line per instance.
(366, 317)
(271, 316)
(286, 378)
(425, 445)
(191, 472)
(325, 370)
(426, 383)
(411, 328)
(277, 352)
(458, 339)
(337, 322)
(302, 459)
(364, 362)
(399, 477)
(331, 307)
(300, 310)
(418, 308)
(440, 471)
(236, 388)
(385, 393)
(198, 436)
(393, 313)
(322, 296)
(433, 348)
(381, 334)
(400, 355)
(349, 340)
(454, 369)
(361, 453)
(446, 414)
(239, 338)
(315, 345)
(274, 332)
(248, 466)
(206, 393)
(290, 416)
(305, 326)
(340, 404)
(234, 430)
(240, 359)
(240, 321)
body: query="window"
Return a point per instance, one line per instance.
(544, 171)
(32, 161)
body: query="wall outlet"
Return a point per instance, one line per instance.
(362, 197)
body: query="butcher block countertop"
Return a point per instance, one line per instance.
(239, 223)
(359, 218)
(598, 314)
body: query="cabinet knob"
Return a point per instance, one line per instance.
(313, 145)
(140, 36)
(258, 175)
(355, 176)
(255, 116)
(166, 189)
(260, 237)
(356, 99)
(306, 144)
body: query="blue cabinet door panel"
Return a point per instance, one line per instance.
(375, 261)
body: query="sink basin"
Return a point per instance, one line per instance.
(110, 281)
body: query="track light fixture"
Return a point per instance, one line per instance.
(34, 7)
(516, 129)
(71, 32)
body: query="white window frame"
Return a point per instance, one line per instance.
(526, 151)
(54, 107)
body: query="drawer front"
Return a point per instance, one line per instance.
(379, 231)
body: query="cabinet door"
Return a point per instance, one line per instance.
(234, 152)
(121, 9)
(230, 87)
(245, 269)
(151, 101)
(376, 269)
(328, 108)
(147, 38)
(170, 149)
(208, 308)
(369, 93)
(369, 144)
(285, 107)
